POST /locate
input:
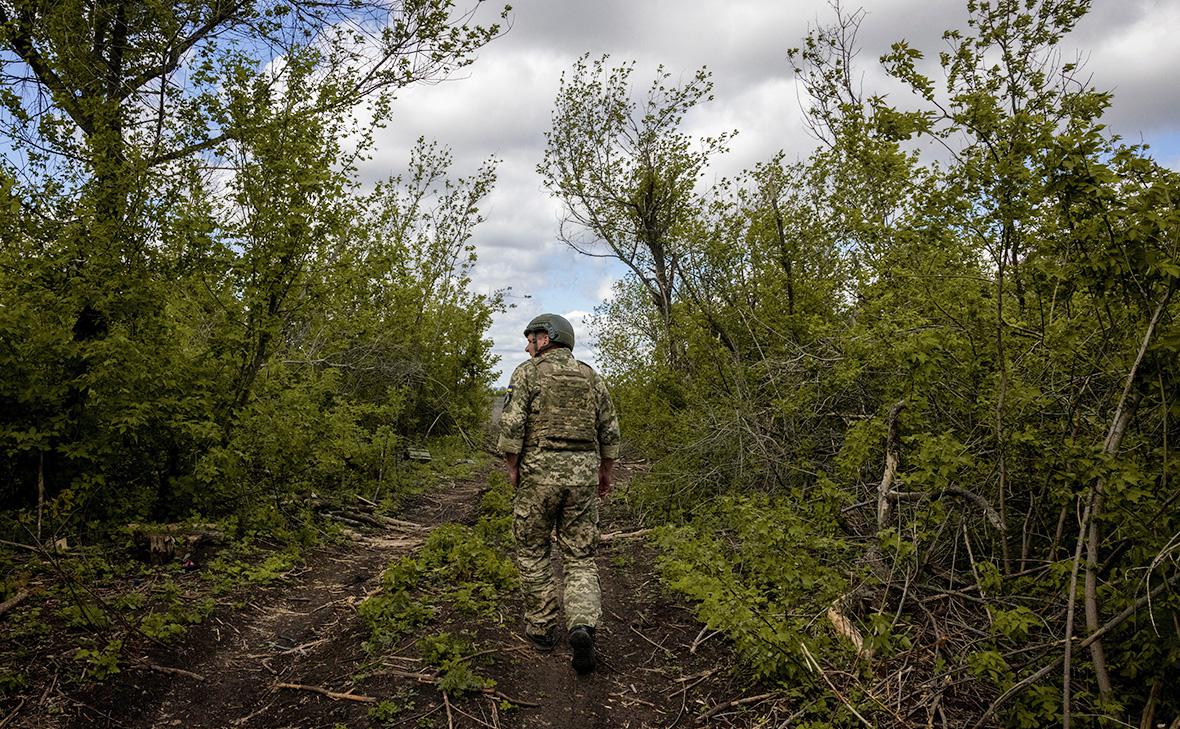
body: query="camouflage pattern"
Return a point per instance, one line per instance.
(557, 492)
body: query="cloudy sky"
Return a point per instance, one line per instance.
(502, 104)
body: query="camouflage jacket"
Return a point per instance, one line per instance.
(523, 411)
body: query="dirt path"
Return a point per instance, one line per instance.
(232, 670)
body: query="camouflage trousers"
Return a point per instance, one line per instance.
(557, 494)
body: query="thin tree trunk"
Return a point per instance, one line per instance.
(1128, 401)
(40, 491)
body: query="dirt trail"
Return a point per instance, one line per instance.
(306, 632)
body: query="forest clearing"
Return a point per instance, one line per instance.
(899, 407)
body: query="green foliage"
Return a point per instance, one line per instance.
(11, 683)
(174, 345)
(85, 615)
(1017, 297)
(388, 711)
(756, 571)
(231, 570)
(447, 653)
(459, 568)
(101, 663)
(173, 622)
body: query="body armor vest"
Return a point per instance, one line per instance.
(567, 417)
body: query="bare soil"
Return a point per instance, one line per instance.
(293, 657)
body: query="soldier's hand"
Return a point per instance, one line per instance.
(605, 467)
(604, 484)
(514, 476)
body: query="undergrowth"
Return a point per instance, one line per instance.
(97, 605)
(460, 572)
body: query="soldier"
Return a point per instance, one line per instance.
(560, 437)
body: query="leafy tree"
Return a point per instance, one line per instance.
(626, 173)
(184, 176)
(959, 373)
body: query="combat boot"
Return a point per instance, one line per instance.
(545, 641)
(581, 640)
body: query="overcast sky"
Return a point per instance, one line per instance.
(502, 104)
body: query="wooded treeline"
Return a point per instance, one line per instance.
(203, 312)
(911, 402)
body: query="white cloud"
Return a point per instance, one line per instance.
(502, 105)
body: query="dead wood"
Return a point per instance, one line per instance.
(612, 536)
(171, 671)
(732, 704)
(18, 545)
(701, 638)
(165, 541)
(335, 696)
(434, 680)
(845, 628)
(357, 518)
(892, 460)
(288, 651)
(13, 714)
(13, 601)
(992, 515)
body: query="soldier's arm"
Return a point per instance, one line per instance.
(608, 436)
(608, 422)
(515, 414)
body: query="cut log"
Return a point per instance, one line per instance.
(164, 542)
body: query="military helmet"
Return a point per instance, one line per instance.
(558, 328)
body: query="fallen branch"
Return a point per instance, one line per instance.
(172, 671)
(335, 696)
(701, 638)
(992, 515)
(13, 714)
(357, 517)
(612, 536)
(13, 601)
(435, 681)
(649, 640)
(731, 704)
(288, 651)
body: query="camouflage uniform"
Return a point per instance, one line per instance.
(558, 484)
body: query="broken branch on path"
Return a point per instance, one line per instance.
(334, 695)
(732, 704)
(13, 601)
(649, 640)
(288, 651)
(169, 670)
(701, 638)
(434, 680)
(612, 536)
(447, 703)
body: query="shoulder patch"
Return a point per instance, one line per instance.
(508, 395)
